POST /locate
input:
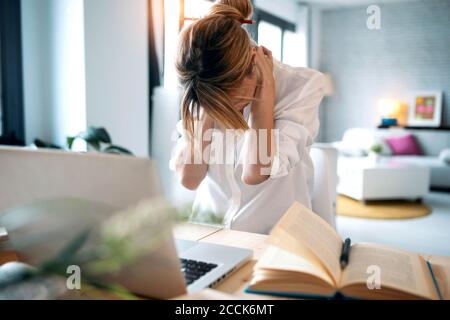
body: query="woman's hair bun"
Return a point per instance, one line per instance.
(236, 9)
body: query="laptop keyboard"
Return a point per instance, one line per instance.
(194, 270)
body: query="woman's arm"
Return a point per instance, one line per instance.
(297, 121)
(191, 164)
(259, 143)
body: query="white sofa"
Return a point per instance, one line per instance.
(357, 142)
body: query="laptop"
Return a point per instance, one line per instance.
(94, 183)
(206, 265)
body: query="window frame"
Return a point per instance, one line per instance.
(13, 126)
(183, 17)
(259, 15)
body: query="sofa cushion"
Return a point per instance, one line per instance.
(404, 145)
(358, 141)
(432, 142)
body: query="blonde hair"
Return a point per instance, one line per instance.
(214, 56)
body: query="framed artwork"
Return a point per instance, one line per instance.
(425, 109)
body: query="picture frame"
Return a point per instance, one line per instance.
(425, 109)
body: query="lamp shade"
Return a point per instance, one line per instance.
(393, 109)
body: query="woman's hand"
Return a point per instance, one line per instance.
(192, 161)
(265, 91)
(260, 142)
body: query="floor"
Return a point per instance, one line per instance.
(430, 235)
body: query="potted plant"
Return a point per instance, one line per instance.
(375, 152)
(97, 139)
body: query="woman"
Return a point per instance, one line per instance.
(230, 83)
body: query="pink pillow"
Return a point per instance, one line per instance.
(404, 146)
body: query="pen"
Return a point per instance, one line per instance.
(345, 253)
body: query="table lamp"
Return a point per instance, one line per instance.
(392, 112)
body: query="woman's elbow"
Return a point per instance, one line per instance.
(254, 179)
(190, 181)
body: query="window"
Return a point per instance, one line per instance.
(194, 9)
(275, 33)
(295, 49)
(178, 14)
(278, 35)
(12, 120)
(271, 36)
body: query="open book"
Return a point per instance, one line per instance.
(303, 260)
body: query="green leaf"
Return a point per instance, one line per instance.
(75, 245)
(70, 141)
(95, 137)
(103, 135)
(117, 150)
(67, 255)
(45, 145)
(94, 144)
(377, 148)
(96, 134)
(117, 290)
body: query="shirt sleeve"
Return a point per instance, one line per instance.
(297, 124)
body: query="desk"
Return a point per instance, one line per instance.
(238, 281)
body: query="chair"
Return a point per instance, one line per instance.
(324, 195)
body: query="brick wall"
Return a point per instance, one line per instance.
(410, 52)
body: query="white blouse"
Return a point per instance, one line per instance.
(299, 92)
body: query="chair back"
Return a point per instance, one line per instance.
(324, 195)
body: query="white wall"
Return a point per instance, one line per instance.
(36, 42)
(316, 36)
(53, 58)
(117, 70)
(85, 63)
(68, 61)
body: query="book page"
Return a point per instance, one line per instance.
(438, 260)
(278, 259)
(441, 270)
(399, 270)
(304, 233)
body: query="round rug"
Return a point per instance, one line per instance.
(381, 209)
